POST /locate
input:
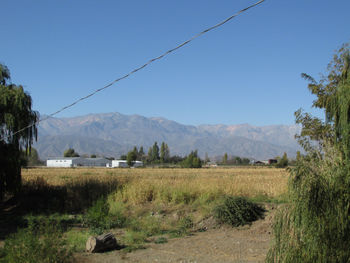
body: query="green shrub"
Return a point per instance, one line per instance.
(38, 243)
(97, 217)
(238, 211)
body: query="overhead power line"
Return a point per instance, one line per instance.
(139, 68)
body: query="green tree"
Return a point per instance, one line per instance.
(282, 162)
(141, 154)
(164, 153)
(224, 159)
(238, 160)
(192, 161)
(17, 131)
(93, 156)
(155, 153)
(131, 158)
(315, 225)
(70, 153)
(32, 158)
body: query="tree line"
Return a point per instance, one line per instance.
(156, 155)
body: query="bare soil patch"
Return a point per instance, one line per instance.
(223, 244)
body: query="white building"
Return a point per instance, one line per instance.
(119, 163)
(124, 163)
(77, 161)
(64, 162)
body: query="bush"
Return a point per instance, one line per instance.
(238, 211)
(40, 242)
(97, 217)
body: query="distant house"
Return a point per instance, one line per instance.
(77, 161)
(271, 161)
(124, 163)
(211, 164)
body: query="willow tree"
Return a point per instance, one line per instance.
(315, 225)
(15, 114)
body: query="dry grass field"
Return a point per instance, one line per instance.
(147, 184)
(151, 208)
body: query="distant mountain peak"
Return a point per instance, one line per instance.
(113, 134)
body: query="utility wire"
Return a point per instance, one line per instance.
(139, 68)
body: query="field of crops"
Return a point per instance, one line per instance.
(149, 184)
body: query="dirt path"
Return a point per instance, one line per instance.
(245, 244)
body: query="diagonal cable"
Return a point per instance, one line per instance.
(137, 69)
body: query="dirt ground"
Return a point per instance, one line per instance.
(223, 244)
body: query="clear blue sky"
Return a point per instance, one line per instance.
(247, 71)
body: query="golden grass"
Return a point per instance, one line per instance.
(173, 185)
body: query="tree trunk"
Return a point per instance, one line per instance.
(101, 243)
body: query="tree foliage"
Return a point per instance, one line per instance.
(192, 161)
(164, 153)
(283, 161)
(70, 153)
(15, 114)
(315, 226)
(131, 157)
(31, 158)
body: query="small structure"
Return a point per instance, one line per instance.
(124, 163)
(119, 163)
(211, 164)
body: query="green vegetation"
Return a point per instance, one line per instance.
(70, 153)
(31, 158)
(15, 114)
(39, 242)
(315, 225)
(192, 161)
(282, 162)
(238, 211)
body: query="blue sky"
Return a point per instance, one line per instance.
(247, 71)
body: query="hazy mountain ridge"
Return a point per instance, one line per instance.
(112, 134)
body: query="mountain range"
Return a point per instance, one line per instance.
(113, 134)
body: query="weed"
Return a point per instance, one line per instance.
(238, 211)
(184, 224)
(38, 243)
(134, 240)
(97, 217)
(76, 239)
(161, 240)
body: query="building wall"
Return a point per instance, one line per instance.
(119, 163)
(59, 163)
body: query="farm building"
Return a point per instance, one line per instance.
(64, 162)
(124, 163)
(76, 161)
